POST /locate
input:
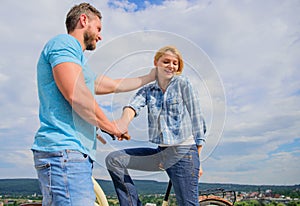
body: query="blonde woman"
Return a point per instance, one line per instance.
(175, 124)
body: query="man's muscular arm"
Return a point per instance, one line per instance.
(70, 81)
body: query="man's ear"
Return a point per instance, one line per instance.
(83, 19)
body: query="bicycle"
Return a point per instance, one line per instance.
(208, 197)
(100, 195)
(217, 197)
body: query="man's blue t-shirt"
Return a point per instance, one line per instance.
(62, 128)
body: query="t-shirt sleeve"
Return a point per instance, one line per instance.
(62, 50)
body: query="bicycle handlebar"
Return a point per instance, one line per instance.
(124, 136)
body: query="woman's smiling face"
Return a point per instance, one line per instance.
(167, 65)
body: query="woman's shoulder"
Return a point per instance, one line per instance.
(146, 88)
(182, 79)
(150, 86)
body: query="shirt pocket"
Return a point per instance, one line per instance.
(174, 106)
(154, 106)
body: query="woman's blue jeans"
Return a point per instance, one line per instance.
(180, 162)
(65, 178)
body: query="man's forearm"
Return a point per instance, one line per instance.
(106, 85)
(86, 107)
(130, 84)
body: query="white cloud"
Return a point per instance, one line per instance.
(124, 4)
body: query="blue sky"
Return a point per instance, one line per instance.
(132, 6)
(243, 57)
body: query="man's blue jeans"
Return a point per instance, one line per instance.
(65, 178)
(180, 162)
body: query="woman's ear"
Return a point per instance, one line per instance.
(155, 63)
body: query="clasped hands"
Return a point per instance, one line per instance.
(122, 126)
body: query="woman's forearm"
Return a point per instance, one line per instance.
(199, 147)
(127, 115)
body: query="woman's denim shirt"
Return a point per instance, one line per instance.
(173, 116)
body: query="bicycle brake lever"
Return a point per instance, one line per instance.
(111, 135)
(124, 136)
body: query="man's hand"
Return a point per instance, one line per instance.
(153, 74)
(122, 126)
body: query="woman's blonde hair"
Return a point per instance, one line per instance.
(175, 51)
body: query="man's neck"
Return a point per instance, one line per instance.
(79, 36)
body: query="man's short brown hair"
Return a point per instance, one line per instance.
(75, 12)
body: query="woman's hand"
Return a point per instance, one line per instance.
(199, 147)
(200, 171)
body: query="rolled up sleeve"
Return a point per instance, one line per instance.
(138, 101)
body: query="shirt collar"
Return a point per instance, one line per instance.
(156, 86)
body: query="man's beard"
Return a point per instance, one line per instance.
(89, 41)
